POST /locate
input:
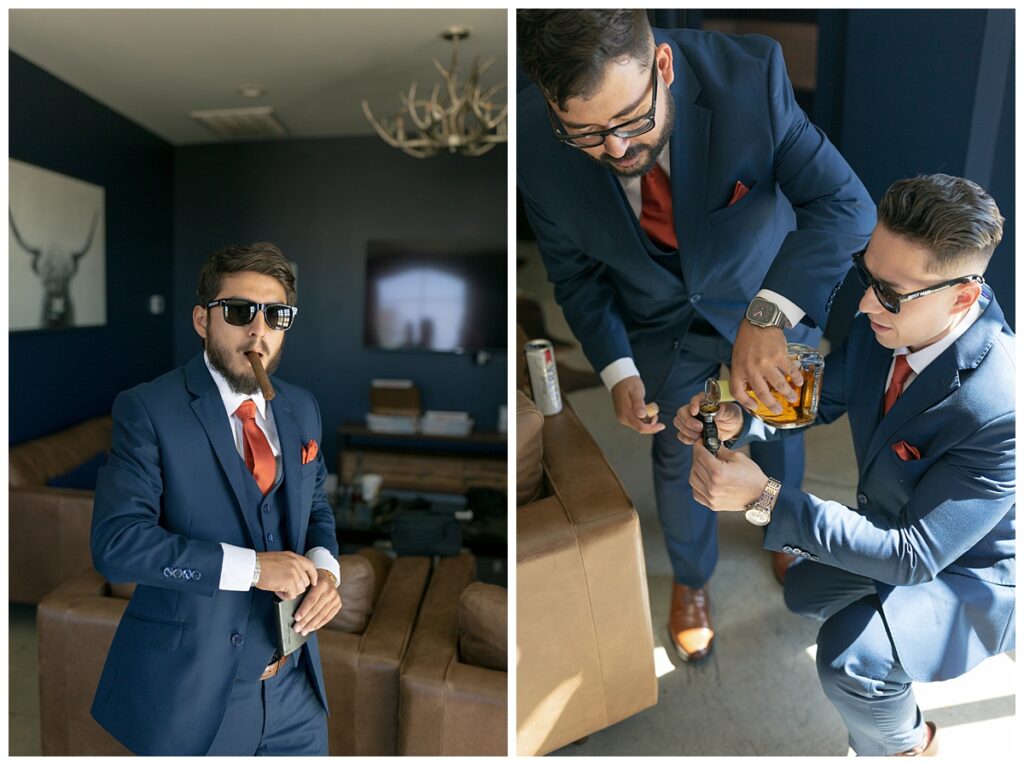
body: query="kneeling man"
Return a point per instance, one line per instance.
(917, 581)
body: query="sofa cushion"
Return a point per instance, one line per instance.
(356, 594)
(32, 463)
(483, 626)
(529, 449)
(124, 590)
(81, 476)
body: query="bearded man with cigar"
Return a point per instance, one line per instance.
(917, 581)
(213, 503)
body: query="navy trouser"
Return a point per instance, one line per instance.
(858, 666)
(278, 716)
(690, 529)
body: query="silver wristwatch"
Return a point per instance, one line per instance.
(764, 313)
(759, 512)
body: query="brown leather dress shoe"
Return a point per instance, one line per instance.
(689, 622)
(780, 564)
(927, 748)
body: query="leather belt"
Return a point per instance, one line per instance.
(273, 668)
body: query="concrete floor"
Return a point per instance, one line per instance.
(758, 694)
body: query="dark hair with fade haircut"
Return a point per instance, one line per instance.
(955, 218)
(565, 51)
(261, 257)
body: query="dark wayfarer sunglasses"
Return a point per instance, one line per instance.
(239, 312)
(890, 298)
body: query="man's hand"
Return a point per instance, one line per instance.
(286, 574)
(759, 361)
(728, 481)
(728, 421)
(630, 408)
(319, 606)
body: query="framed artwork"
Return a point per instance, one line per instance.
(56, 250)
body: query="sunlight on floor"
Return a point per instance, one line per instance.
(976, 712)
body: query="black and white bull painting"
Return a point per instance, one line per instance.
(56, 250)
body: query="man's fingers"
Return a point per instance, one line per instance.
(778, 380)
(764, 395)
(738, 387)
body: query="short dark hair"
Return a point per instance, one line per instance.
(261, 257)
(953, 217)
(565, 51)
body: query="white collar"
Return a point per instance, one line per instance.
(231, 399)
(918, 360)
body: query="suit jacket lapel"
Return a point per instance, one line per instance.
(291, 446)
(690, 144)
(208, 407)
(940, 378)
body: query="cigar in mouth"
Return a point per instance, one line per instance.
(261, 375)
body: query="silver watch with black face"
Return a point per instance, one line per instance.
(764, 313)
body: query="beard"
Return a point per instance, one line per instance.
(648, 152)
(245, 383)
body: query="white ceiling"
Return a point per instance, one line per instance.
(315, 66)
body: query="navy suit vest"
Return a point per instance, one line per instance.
(261, 632)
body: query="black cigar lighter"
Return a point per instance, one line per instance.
(708, 411)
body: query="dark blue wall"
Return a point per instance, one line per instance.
(60, 377)
(912, 102)
(320, 201)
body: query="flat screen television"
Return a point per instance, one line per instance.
(443, 296)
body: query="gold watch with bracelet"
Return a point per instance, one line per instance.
(334, 580)
(759, 512)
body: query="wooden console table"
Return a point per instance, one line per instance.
(419, 462)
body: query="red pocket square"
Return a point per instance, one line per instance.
(905, 451)
(309, 452)
(738, 192)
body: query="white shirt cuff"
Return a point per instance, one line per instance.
(322, 558)
(792, 311)
(238, 568)
(618, 371)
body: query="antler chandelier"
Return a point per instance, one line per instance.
(458, 118)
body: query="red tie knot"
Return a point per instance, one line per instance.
(902, 370)
(246, 410)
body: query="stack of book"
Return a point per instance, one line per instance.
(437, 423)
(394, 407)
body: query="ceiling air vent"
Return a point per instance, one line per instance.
(248, 122)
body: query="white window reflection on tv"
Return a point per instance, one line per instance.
(421, 308)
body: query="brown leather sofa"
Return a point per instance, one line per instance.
(454, 680)
(49, 527)
(361, 651)
(585, 649)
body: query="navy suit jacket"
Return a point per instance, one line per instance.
(735, 120)
(172, 491)
(937, 534)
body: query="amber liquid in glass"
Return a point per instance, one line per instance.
(803, 412)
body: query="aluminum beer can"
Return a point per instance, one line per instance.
(540, 360)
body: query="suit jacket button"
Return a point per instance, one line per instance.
(196, 576)
(797, 551)
(167, 570)
(805, 554)
(787, 549)
(176, 573)
(675, 345)
(237, 639)
(815, 557)
(695, 297)
(862, 498)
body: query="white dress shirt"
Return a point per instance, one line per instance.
(239, 566)
(920, 359)
(622, 368)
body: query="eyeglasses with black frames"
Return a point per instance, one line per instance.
(628, 129)
(239, 312)
(890, 298)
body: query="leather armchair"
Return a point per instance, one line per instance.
(448, 705)
(49, 527)
(76, 625)
(585, 646)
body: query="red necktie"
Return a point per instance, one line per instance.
(259, 457)
(656, 209)
(900, 373)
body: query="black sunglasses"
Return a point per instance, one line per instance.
(239, 312)
(890, 298)
(628, 129)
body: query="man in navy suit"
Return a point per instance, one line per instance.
(917, 581)
(689, 215)
(213, 502)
